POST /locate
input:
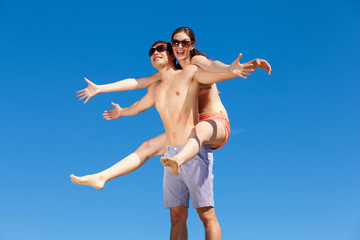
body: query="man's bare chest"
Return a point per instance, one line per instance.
(172, 90)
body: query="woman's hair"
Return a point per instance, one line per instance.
(191, 35)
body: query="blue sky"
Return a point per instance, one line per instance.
(290, 170)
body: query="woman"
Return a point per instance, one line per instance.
(213, 129)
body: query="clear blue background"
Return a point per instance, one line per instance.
(290, 170)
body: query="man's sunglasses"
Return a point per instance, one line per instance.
(160, 48)
(184, 43)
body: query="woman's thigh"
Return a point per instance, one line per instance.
(211, 132)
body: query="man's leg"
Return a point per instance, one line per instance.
(178, 217)
(153, 147)
(211, 224)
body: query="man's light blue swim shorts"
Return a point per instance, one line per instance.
(195, 180)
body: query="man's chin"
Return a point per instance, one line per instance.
(158, 64)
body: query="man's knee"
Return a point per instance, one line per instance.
(178, 215)
(206, 214)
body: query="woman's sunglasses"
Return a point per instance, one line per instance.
(160, 48)
(184, 43)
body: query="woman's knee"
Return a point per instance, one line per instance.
(153, 146)
(146, 148)
(146, 145)
(204, 131)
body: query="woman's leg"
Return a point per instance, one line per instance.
(210, 132)
(153, 147)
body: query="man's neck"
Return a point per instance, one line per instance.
(167, 71)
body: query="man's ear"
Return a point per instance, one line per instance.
(173, 57)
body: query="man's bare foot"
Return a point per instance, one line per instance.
(172, 164)
(93, 180)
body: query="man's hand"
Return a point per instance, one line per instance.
(263, 64)
(113, 113)
(241, 69)
(91, 90)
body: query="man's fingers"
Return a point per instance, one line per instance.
(247, 65)
(244, 71)
(248, 71)
(86, 100)
(87, 80)
(238, 58)
(82, 97)
(237, 72)
(82, 90)
(81, 94)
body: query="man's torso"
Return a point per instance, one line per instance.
(176, 100)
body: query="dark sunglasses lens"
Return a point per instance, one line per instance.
(160, 48)
(151, 51)
(185, 43)
(175, 43)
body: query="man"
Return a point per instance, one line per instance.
(175, 98)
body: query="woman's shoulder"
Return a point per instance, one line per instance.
(198, 59)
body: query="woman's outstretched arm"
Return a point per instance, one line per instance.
(218, 67)
(236, 67)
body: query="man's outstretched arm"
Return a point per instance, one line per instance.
(138, 107)
(127, 84)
